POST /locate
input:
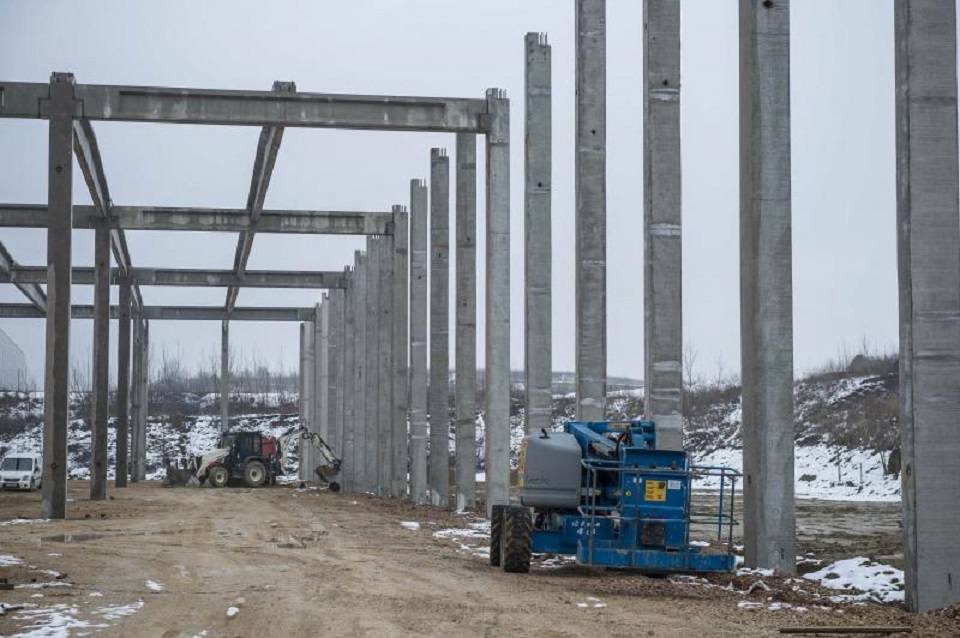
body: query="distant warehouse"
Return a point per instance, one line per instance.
(13, 365)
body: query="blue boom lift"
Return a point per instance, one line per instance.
(603, 493)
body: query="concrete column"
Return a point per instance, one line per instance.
(334, 429)
(929, 264)
(56, 415)
(371, 439)
(224, 375)
(309, 404)
(144, 393)
(439, 393)
(101, 365)
(662, 308)
(766, 291)
(301, 391)
(465, 393)
(419, 225)
(385, 362)
(349, 380)
(123, 388)
(498, 301)
(401, 242)
(135, 399)
(591, 215)
(323, 370)
(360, 469)
(538, 262)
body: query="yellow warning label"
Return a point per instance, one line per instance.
(655, 491)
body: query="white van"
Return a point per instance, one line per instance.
(21, 470)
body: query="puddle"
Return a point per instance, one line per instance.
(70, 538)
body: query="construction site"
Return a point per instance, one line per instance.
(416, 487)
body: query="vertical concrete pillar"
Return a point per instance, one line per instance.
(334, 428)
(144, 393)
(136, 389)
(321, 342)
(372, 365)
(439, 393)
(928, 250)
(498, 301)
(349, 380)
(465, 393)
(101, 365)
(123, 388)
(419, 225)
(385, 374)
(591, 214)
(301, 391)
(56, 415)
(224, 375)
(360, 469)
(766, 287)
(663, 298)
(538, 327)
(401, 243)
(309, 398)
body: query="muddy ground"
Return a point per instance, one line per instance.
(156, 561)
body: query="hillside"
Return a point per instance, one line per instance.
(846, 429)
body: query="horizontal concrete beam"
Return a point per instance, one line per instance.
(171, 313)
(188, 277)
(227, 220)
(251, 108)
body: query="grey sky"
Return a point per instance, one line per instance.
(843, 153)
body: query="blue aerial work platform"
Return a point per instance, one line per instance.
(602, 492)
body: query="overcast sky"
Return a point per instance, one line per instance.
(843, 155)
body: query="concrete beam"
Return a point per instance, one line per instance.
(251, 108)
(465, 392)
(538, 246)
(101, 368)
(60, 104)
(591, 213)
(33, 292)
(497, 385)
(400, 351)
(225, 220)
(663, 298)
(419, 231)
(439, 392)
(26, 275)
(928, 250)
(267, 148)
(766, 285)
(170, 313)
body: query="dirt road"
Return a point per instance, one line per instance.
(234, 562)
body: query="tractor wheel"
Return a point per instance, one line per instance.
(496, 534)
(254, 474)
(516, 546)
(217, 476)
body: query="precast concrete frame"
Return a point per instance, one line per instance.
(69, 106)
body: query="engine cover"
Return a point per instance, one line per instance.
(549, 472)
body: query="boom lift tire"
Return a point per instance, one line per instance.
(218, 476)
(254, 474)
(496, 534)
(516, 545)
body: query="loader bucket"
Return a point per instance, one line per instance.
(180, 478)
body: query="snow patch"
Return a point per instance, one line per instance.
(865, 579)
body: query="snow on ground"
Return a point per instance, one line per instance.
(863, 578)
(816, 475)
(154, 586)
(66, 619)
